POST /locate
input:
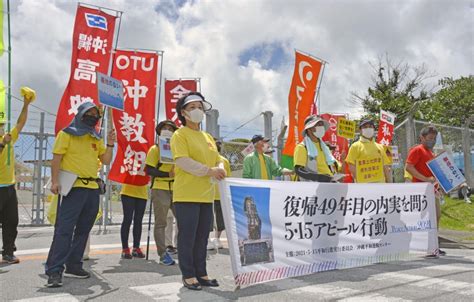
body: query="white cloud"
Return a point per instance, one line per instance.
(205, 38)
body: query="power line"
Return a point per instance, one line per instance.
(19, 99)
(235, 130)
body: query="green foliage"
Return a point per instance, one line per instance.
(453, 103)
(457, 215)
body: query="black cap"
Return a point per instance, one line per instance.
(365, 122)
(163, 123)
(257, 137)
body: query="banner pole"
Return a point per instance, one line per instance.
(318, 89)
(160, 53)
(310, 55)
(9, 81)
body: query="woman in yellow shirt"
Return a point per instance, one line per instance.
(76, 150)
(312, 158)
(198, 165)
(133, 204)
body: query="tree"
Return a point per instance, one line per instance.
(453, 103)
(395, 88)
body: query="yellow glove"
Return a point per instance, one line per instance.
(28, 93)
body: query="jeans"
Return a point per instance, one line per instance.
(194, 223)
(74, 221)
(133, 209)
(9, 218)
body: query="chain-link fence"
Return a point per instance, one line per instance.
(233, 152)
(452, 139)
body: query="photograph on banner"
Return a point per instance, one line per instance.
(165, 150)
(110, 91)
(346, 128)
(279, 229)
(446, 172)
(252, 218)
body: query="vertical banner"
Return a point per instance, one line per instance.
(278, 230)
(91, 49)
(341, 144)
(174, 90)
(300, 101)
(135, 125)
(386, 124)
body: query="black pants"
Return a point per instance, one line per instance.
(9, 218)
(219, 217)
(133, 209)
(194, 222)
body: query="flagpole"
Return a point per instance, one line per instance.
(318, 89)
(160, 54)
(9, 80)
(99, 7)
(310, 55)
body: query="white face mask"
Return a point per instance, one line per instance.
(368, 132)
(166, 133)
(195, 115)
(320, 130)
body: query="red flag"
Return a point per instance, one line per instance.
(136, 124)
(386, 123)
(91, 48)
(301, 98)
(341, 144)
(174, 90)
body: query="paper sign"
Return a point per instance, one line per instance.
(110, 91)
(446, 172)
(165, 150)
(346, 128)
(249, 149)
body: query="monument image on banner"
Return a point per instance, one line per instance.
(251, 207)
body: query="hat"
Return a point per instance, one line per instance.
(257, 137)
(365, 122)
(165, 123)
(312, 120)
(197, 98)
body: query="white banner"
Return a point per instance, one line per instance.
(278, 229)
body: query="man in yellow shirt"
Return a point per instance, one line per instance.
(8, 199)
(77, 149)
(368, 160)
(162, 189)
(312, 158)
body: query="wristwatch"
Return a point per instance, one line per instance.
(110, 145)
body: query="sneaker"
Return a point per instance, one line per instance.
(126, 254)
(80, 274)
(137, 253)
(211, 245)
(166, 259)
(10, 259)
(55, 280)
(432, 256)
(171, 250)
(441, 252)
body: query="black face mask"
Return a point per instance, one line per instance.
(90, 120)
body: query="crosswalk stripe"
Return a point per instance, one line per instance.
(51, 298)
(459, 287)
(173, 291)
(346, 294)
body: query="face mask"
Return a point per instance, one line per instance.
(320, 130)
(166, 133)
(266, 147)
(195, 115)
(429, 144)
(368, 132)
(90, 120)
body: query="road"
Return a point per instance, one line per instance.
(449, 278)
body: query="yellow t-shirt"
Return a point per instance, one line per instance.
(80, 156)
(369, 159)
(135, 191)
(300, 158)
(217, 195)
(152, 159)
(199, 146)
(263, 167)
(7, 171)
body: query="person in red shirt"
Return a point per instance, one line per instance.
(417, 167)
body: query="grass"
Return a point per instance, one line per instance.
(457, 215)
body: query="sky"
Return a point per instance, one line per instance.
(243, 51)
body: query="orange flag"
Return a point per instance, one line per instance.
(300, 101)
